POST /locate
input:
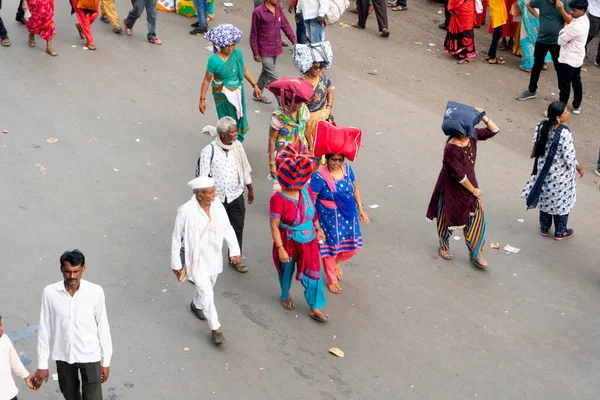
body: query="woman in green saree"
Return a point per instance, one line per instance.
(225, 72)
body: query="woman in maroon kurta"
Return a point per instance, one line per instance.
(455, 200)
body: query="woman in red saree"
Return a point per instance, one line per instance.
(460, 38)
(41, 22)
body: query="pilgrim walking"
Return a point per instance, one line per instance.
(455, 202)
(200, 228)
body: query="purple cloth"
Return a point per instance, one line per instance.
(265, 39)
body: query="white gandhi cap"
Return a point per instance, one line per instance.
(201, 182)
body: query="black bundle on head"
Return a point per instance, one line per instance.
(555, 110)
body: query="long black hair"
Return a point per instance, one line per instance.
(555, 110)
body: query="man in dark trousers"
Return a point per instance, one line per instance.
(74, 332)
(551, 22)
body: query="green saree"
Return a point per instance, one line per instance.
(228, 89)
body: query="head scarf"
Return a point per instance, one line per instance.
(224, 34)
(295, 166)
(461, 119)
(292, 89)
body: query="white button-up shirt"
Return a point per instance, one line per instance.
(572, 39)
(224, 170)
(9, 359)
(594, 8)
(76, 326)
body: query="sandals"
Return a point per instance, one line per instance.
(288, 304)
(399, 8)
(463, 61)
(51, 52)
(320, 317)
(356, 25)
(241, 268)
(334, 288)
(479, 262)
(447, 256)
(31, 42)
(263, 100)
(128, 30)
(5, 42)
(90, 47)
(497, 61)
(385, 33)
(339, 272)
(528, 70)
(80, 30)
(155, 41)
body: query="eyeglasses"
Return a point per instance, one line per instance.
(336, 159)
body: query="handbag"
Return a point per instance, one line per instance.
(336, 9)
(305, 55)
(92, 5)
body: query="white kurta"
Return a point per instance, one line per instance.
(203, 255)
(202, 237)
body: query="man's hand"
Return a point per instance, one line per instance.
(559, 5)
(321, 20)
(250, 196)
(177, 272)
(105, 371)
(29, 383)
(41, 376)
(298, 17)
(291, 9)
(235, 260)
(257, 59)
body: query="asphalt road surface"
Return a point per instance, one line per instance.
(412, 325)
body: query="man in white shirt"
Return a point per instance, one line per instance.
(594, 17)
(74, 332)
(572, 39)
(9, 360)
(200, 228)
(225, 160)
(313, 12)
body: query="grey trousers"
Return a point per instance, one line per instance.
(136, 12)
(268, 73)
(72, 388)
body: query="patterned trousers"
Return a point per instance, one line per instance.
(474, 230)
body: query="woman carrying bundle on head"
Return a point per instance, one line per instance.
(455, 202)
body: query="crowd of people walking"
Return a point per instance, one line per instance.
(316, 209)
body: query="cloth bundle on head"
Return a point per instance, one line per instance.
(293, 89)
(330, 139)
(295, 166)
(305, 55)
(201, 182)
(579, 4)
(224, 34)
(461, 119)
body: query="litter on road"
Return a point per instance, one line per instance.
(52, 140)
(510, 249)
(374, 206)
(337, 352)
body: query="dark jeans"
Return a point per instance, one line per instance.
(301, 31)
(72, 388)
(3, 32)
(560, 223)
(568, 75)
(495, 39)
(236, 211)
(446, 14)
(380, 13)
(539, 54)
(136, 12)
(598, 166)
(594, 30)
(20, 13)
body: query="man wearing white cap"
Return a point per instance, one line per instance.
(200, 228)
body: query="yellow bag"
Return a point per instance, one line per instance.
(186, 8)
